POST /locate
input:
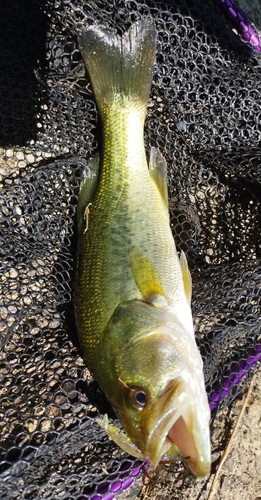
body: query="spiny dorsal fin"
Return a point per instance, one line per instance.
(186, 276)
(158, 172)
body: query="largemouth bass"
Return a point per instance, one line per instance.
(132, 294)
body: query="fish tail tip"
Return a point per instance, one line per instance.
(119, 66)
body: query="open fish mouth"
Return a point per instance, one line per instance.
(180, 422)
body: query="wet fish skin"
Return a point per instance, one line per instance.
(132, 292)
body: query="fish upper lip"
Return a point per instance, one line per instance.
(175, 427)
(158, 441)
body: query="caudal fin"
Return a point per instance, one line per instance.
(119, 67)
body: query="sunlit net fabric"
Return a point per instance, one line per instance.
(204, 114)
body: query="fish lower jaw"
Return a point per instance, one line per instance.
(197, 456)
(178, 437)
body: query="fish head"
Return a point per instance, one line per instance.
(157, 386)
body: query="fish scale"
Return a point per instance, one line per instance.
(127, 210)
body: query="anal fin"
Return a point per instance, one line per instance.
(186, 276)
(158, 172)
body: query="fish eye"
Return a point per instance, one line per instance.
(138, 397)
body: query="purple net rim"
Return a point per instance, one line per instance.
(247, 32)
(236, 373)
(118, 482)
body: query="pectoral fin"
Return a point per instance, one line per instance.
(186, 276)
(87, 189)
(158, 172)
(145, 276)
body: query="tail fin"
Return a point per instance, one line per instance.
(119, 66)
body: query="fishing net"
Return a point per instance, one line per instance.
(204, 114)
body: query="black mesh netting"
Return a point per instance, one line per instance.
(204, 114)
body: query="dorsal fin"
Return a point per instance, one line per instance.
(87, 190)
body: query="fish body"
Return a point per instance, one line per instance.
(132, 292)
